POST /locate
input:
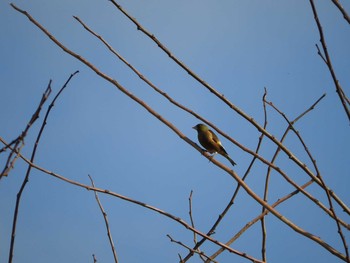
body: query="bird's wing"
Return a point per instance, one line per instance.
(214, 137)
(217, 141)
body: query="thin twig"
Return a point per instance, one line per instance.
(191, 216)
(19, 141)
(273, 160)
(324, 186)
(259, 217)
(192, 222)
(26, 179)
(105, 217)
(327, 60)
(263, 226)
(342, 10)
(201, 254)
(10, 144)
(94, 258)
(320, 53)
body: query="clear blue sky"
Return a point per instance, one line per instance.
(238, 47)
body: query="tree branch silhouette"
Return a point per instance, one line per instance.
(26, 179)
(342, 10)
(19, 141)
(327, 59)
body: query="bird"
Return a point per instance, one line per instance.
(211, 142)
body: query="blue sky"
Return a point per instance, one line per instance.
(238, 47)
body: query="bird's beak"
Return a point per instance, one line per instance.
(194, 127)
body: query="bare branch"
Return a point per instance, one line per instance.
(328, 61)
(259, 217)
(263, 226)
(190, 249)
(265, 212)
(141, 76)
(216, 93)
(182, 222)
(191, 216)
(19, 141)
(324, 186)
(342, 10)
(26, 179)
(192, 223)
(139, 203)
(105, 217)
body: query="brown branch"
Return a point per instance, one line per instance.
(342, 10)
(200, 253)
(142, 77)
(328, 61)
(291, 127)
(337, 221)
(259, 217)
(216, 93)
(192, 223)
(240, 112)
(187, 226)
(19, 141)
(105, 217)
(10, 144)
(183, 137)
(269, 170)
(320, 53)
(139, 203)
(191, 216)
(265, 212)
(263, 226)
(345, 208)
(324, 186)
(94, 258)
(26, 179)
(273, 160)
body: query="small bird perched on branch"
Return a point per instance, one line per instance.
(211, 142)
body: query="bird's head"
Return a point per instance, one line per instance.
(200, 127)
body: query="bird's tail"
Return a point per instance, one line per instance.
(231, 161)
